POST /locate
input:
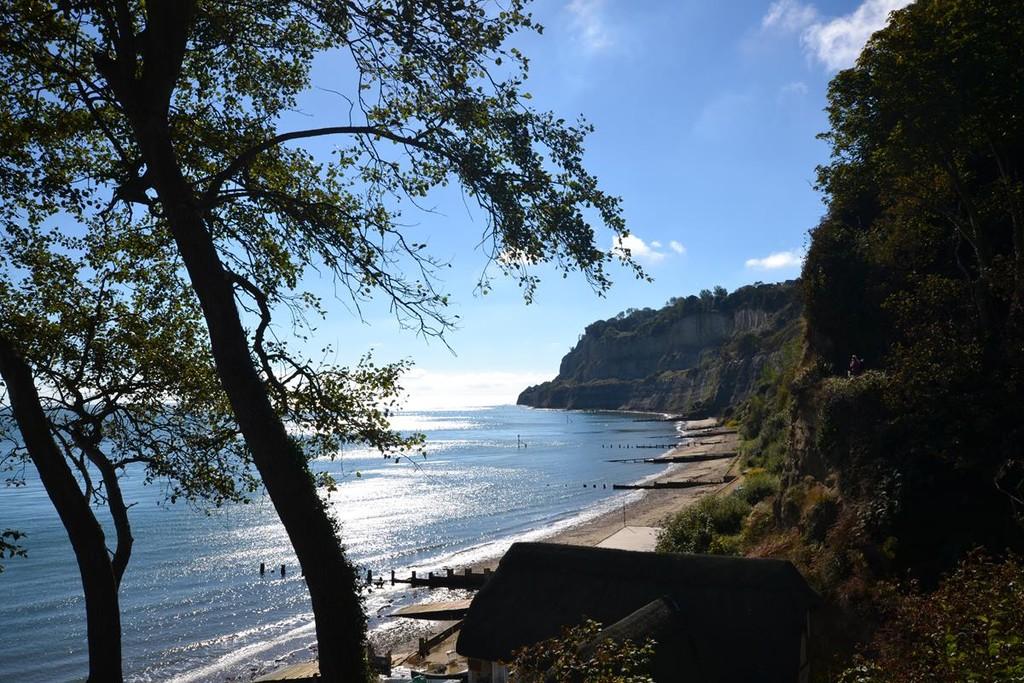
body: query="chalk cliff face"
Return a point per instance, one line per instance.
(694, 356)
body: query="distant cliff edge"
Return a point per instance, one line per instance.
(696, 356)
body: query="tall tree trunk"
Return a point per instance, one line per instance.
(332, 580)
(103, 614)
(145, 94)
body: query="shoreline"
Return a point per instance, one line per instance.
(652, 506)
(646, 508)
(649, 508)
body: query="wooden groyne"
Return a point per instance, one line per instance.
(688, 484)
(467, 580)
(696, 457)
(697, 434)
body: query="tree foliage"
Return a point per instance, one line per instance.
(10, 545)
(572, 657)
(165, 118)
(438, 99)
(918, 267)
(969, 629)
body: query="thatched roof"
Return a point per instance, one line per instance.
(726, 618)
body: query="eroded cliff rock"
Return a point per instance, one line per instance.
(697, 355)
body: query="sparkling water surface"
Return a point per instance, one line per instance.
(194, 607)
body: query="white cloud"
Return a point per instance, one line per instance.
(656, 244)
(677, 247)
(637, 248)
(794, 88)
(789, 15)
(589, 23)
(781, 259)
(836, 42)
(434, 390)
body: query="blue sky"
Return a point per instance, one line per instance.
(706, 114)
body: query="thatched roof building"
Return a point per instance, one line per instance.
(716, 619)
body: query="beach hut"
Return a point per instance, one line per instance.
(715, 619)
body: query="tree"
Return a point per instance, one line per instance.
(171, 108)
(917, 267)
(10, 546)
(925, 125)
(125, 382)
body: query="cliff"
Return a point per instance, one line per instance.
(696, 355)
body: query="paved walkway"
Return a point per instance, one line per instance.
(640, 538)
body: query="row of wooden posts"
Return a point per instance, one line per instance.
(468, 579)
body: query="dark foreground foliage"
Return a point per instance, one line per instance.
(970, 629)
(567, 659)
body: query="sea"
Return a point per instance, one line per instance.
(194, 605)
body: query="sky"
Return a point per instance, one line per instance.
(706, 115)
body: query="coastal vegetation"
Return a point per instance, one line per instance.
(578, 656)
(171, 112)
(903, 465)
(158, 221)
(882, 442)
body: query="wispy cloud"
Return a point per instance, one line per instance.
(835, 42)
(677, 247)
(777, 261)
(587, 20)
(789, 15)
(723, 116)
(638, 249)
(794, 88)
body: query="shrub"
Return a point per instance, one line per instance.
(820, 510)
(695, 529)
(565, 659)
(758, 485)
(758, 524)
(970, 629)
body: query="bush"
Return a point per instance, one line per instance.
(698, 528)
(568, 658)
(970, 629)
(758, 485)
(758, 524)
(821, 508)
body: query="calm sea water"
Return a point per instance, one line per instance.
(194, 606)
